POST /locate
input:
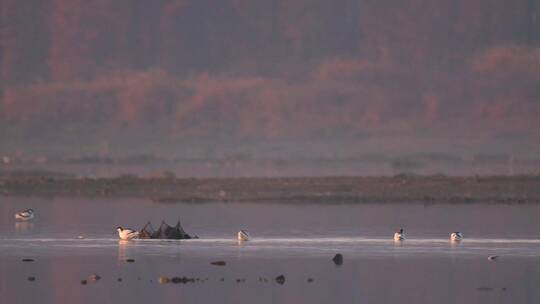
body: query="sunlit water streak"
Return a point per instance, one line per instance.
(274, 247)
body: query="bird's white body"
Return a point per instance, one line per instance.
(399, 235)
(243, 235)
(127, 234)
(25, 215)
(456, 236)
(493, 257)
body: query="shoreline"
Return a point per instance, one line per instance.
(400, 188)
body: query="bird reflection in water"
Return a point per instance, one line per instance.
(123, 249)
(24, 226)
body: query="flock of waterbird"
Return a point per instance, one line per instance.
(242, 235)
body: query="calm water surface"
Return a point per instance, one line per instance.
(296, 240)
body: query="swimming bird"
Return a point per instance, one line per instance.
(400, 235)
(456, 236)
(243, 235)
(127, 234)
(493, 257)
(25, 215)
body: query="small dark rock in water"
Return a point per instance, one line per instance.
(83, 282)
(27, 260)
(338, 259)
(310, 280)
(130, 260)
(31, 278)
(280, 279)
(182, 280)
(93, 277)
(219, 263)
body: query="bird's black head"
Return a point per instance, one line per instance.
(401, 230)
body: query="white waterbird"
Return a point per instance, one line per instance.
(456, 236)
(399, 235)
(243, 235)
(25, 215)
(127, 234)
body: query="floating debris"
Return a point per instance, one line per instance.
(219, 263)
(338, 259)
(27, 260)
(130, 260)
(31, 278)
(280, 279)
(165, 231)
(93, 277)
(182, 280)
(163, 280)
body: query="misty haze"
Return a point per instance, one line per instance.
(420, 83)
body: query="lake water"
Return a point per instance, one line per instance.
(294, 240)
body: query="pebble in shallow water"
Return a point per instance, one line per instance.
(338, 259)
(280, 279)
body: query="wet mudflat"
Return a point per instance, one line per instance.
(392, 189)
(289, 259)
